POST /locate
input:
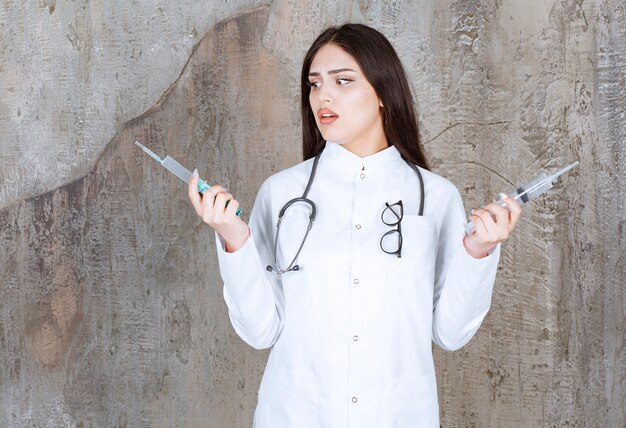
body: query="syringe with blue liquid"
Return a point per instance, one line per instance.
(179, 171)
(527, 192)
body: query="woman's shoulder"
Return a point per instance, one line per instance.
(437, 183)
(288, 177)
(441, 193)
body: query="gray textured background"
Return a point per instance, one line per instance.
(111, 310)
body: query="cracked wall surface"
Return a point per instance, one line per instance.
(73, 73)
(111, 308)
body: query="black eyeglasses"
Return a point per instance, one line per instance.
(391, 241)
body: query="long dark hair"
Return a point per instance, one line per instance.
(383, 69)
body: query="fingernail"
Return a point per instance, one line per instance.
(195, 172)
(472, 211)
(504, 196)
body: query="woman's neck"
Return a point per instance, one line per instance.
(367, 146)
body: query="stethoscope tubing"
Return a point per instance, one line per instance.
(303, 198)
(293, 266)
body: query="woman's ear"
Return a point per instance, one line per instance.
(380, 103)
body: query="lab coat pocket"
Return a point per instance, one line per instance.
(419, 246)
(415, 402)
(289, 396)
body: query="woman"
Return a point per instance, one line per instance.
(351, 308)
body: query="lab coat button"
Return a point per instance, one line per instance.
(356, 280)
(358, 226)
(362, 176)
(355, 337)
(354, 399)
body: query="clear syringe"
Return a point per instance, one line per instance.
(527, 192)
(179, 171)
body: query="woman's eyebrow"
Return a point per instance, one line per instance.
(337, 71)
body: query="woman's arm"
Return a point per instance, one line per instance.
(463, 282)
(253, 296)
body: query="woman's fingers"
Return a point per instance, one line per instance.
(500, 220)
(218, 209)
(194, 196)
(205, 203)
(486, 228)
(515, 211)
(493, 224)
(231, 209)
(479, 227)
(497, 221)
(214, 205)
(208, 198)
(222, 199)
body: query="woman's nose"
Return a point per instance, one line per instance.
(324, 94)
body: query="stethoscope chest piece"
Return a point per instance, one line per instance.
(313, 211)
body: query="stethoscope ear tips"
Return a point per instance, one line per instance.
(269, 268)
(296, 267)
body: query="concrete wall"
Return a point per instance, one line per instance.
(111, 310)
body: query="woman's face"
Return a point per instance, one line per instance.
(344, 103)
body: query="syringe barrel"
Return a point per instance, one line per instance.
(527, 192)
(469, 227)
(533, 189)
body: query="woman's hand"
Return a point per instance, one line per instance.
(212, 208)
(493, 224)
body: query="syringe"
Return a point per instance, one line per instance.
(179, 171)
(528, 191)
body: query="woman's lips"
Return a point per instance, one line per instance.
(327, 120)
(326, 116)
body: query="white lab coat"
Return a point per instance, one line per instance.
(351, 331)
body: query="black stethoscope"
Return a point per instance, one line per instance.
(313, 211)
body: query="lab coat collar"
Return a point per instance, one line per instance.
(343, 159)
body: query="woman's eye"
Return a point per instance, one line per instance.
(340, 82)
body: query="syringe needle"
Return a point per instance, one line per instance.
(148, 151)
(563, 171)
